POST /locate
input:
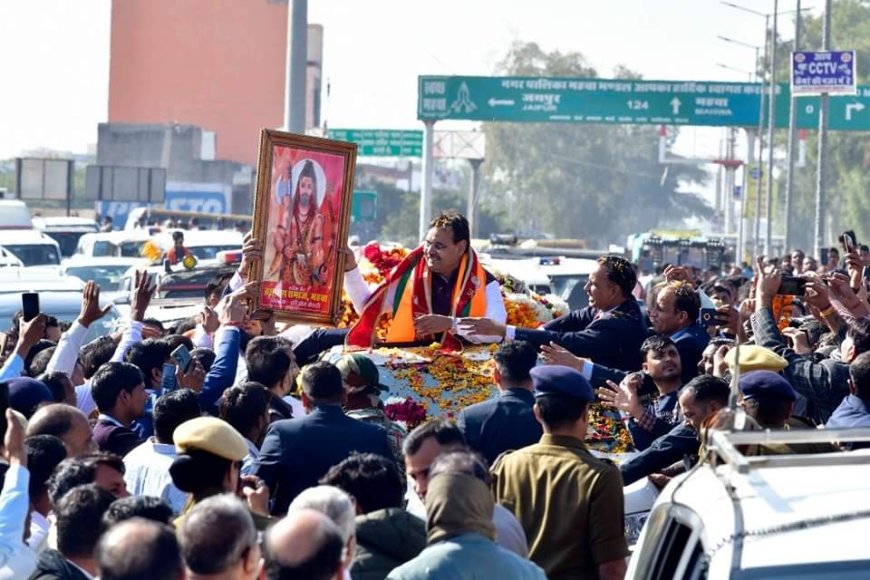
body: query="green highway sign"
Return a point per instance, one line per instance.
(623, 101)
(382, 142)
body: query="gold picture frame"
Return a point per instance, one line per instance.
(302, 205)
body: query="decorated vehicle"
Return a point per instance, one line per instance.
(427, 382)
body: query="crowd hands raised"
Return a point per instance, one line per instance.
(257, 460)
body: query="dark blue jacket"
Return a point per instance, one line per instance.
(612, 339)
(223, 370)
(664, 452)
(296, 453)
(310, 347)
(852, 412)
(501, 424)
(691, 342)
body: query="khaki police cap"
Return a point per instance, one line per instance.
(755, 358)
(212, 435)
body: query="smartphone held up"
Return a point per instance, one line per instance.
(792, 286)
(29, 305)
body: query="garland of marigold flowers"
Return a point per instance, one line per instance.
(460, 381)
(783, 305)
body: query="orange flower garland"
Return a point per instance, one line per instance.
(783, 305)
(445, 383)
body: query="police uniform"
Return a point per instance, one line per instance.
(569, 502)
(767, 387)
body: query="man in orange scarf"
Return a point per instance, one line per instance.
(435, 285)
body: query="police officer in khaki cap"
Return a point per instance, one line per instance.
(755, 358)
(210, 454)
(569, 502)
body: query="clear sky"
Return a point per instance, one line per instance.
(54, 54)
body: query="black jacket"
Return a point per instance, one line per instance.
(501, 424)
(386, 539)
(296, 453)
(611, 338)
(51, 565)
(664, 452)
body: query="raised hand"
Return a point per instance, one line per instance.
(143, 291)
(91, 311)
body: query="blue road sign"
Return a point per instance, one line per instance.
(813, 73)
(755, 173)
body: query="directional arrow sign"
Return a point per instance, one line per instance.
(569, 100)
(852, 107)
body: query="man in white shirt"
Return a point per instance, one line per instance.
(147, 466)
(16, 559)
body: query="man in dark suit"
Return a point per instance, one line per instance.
(609, 331)
(296, 453)
(506, 422)
(675, 315)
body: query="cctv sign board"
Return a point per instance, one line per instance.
(814, 73)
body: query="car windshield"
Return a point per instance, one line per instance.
(108, 276)
(131, 249)
(570, 288)
(210, 252)
(68, 241)
(35, 255)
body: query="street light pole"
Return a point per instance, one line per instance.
(792, 123)
(822, 173)
(769, 42)
(771, 125)
(756, 236)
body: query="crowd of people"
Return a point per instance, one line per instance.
(260, 460)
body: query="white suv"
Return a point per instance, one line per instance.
(776, 516)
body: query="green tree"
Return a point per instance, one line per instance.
(595, 182)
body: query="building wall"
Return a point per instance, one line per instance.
(216, 64)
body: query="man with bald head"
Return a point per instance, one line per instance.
(219, 540)
(68, 424)
(139, 548)
(306, 545)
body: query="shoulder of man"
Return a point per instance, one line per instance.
(503, 459)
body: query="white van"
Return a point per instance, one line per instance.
(14, 214)
(30, 246)
(122, 244)
(66, 231)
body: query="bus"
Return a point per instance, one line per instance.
(142, 216)
(653, 249)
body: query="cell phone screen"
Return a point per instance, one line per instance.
(182, 357)
(30, 305)
(792, 286)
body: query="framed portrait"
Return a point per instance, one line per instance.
(302, 209)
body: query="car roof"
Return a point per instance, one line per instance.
(25, 237)
(118, 236)
(569, 266)
(79, 260)
(65, 222)
(16, 280)
(527, 270)
(194, 238)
